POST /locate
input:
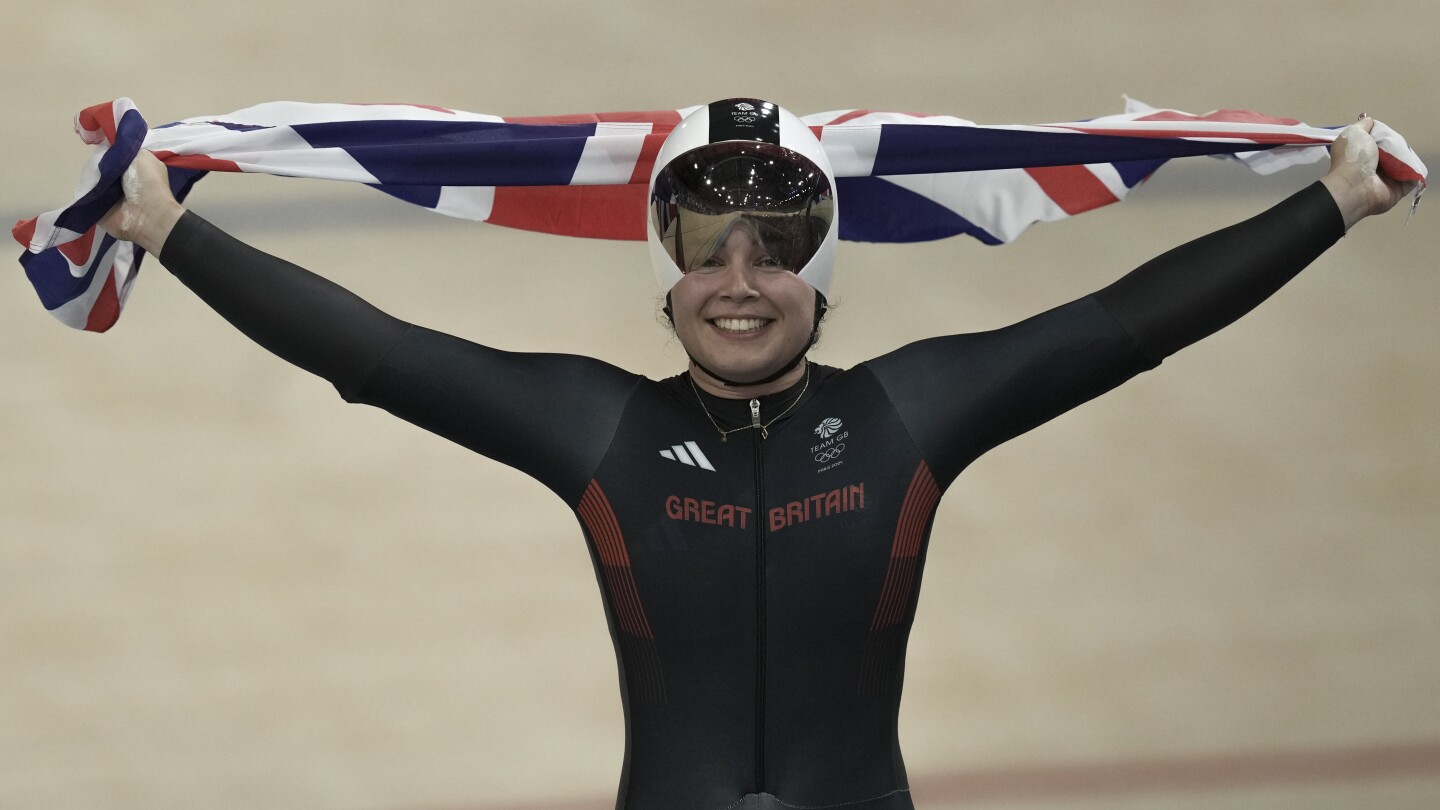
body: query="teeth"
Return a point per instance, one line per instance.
(739, 324)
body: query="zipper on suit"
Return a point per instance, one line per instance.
(758, 443)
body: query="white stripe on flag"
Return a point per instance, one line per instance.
(610, 154)
(1106, 174)
(278, 150)
(285, 113)
(1002, 201)
(467, 202)
(851, 150)
(48, 235)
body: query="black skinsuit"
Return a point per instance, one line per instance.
(759, 590)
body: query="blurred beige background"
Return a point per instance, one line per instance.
(1218, 587)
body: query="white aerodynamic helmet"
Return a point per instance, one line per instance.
(742, 160)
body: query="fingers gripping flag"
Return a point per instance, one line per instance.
(902, 177)
(82, 274)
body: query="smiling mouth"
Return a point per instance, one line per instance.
(740, 324)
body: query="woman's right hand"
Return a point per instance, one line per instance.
(149, 210)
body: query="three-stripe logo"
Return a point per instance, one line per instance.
(688, 454)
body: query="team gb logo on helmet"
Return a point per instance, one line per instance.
(744, 113)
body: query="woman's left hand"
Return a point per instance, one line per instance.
(1355, 179)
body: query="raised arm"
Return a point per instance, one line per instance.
(1202, 286)
(961, 395)
(305, 319)
(550, 416)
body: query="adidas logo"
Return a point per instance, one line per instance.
(688, 454)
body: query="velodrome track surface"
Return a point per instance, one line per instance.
(1217, 587)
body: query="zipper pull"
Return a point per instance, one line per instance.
(755, 418)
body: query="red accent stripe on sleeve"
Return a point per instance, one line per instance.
(622, 598)
(604, 527)
(915, 512)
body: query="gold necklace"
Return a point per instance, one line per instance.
(754, 409)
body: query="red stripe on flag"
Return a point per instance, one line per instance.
(1239, 135)
(598, 212)
(106, 309)
(1074, 188)
(574, 118)
(849, 116)
(645, 163)
(661, 123)
(401, 104)
(658, 119)
(98, 116)
(78, 252)
(853, 114)
(1229, 116)
(204, 163)
(668, 118)
(24, 231)
(1396, 169)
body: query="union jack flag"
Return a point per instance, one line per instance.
(902, 177)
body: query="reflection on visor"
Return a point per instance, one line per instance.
(782, 198)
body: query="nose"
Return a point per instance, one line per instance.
(738, 281)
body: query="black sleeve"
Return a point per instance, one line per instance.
(964, 394)
(305, 319)
(550, 416)
(961, 395)
(1200, 287)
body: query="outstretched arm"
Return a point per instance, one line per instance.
(961, 395)
(1200, 287)
(551, 416)
(305, 319)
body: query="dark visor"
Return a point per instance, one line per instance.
(782, 197)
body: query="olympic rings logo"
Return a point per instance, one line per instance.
(830, 454)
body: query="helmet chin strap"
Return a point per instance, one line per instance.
(820, 308)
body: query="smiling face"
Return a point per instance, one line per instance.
(743, 315)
